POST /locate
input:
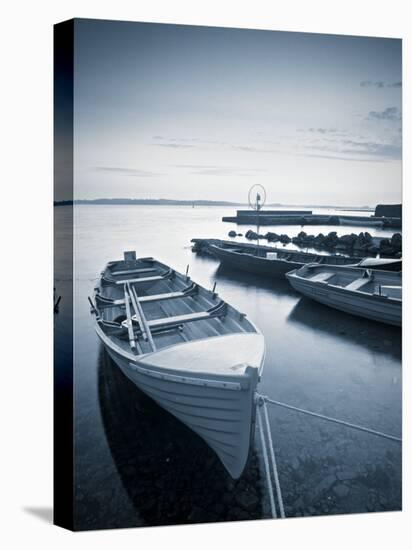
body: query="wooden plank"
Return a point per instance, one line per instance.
(137, 270)
(146, 279)
(179, 319)
(152, 298)
(187, 291)
(356, 284)
(163, 296)
(321, 277)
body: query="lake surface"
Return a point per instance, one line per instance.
(137, 465)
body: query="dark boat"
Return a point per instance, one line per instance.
(277, 262)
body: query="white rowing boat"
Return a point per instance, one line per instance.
(194, 354)
(369, 293)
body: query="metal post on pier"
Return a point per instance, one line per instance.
(256, 203)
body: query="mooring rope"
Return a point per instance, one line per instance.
(266, 461)
(335, 420)
(274, 466)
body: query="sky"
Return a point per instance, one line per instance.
(184, 112)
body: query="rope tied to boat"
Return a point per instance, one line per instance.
(261, 402)
(334, 420)
(269, 458)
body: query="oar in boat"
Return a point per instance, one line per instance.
(144, 326)
(129, 320)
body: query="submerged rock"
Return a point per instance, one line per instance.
(325, 484)
(341, 490)
(247, 500)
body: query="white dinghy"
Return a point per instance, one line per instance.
(369, 293)
(194, 354)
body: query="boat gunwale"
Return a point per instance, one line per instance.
(315, 258)
(134, 358)
(341, 289)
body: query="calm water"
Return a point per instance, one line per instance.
(137, 465)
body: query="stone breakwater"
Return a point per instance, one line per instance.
(363, 243)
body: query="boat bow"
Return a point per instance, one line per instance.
(210, 386)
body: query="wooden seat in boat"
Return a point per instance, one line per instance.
(217, 311)
(145, 279)
(357, 284)
(322, 277)
(134, 271)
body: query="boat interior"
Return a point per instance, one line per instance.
(288, 255)
(369, 281)
(145, 306)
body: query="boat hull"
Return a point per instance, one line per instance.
(220, 409)
(360, 223)
(254, 264)
(375, 308)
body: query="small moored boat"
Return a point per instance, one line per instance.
(369, 293)
(194, 354)
(276, 262)
(366, 222)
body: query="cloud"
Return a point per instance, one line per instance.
(380, 84)
(188, 140)
(190, 143)
(370, 84)
(346, 159)
(390, 113)
(386, 150)
(320, 130)
(322, 142)
(358, 150)
(214, 170)
(174, 145)
(134, 172)
(252, 149)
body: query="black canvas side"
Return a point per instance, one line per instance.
(63, 275)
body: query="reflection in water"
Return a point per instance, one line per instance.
(376, 337)
(169, 473)
(276, 285)
(136, 465)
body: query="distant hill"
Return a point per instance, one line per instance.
(174, 202)
(149, 202)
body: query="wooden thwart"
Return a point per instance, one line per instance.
(356, 284)
(145, 279)
(134, 271)
(321, 277)
(216, 311)
(188, 291)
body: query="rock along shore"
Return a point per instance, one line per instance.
(363, 243)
